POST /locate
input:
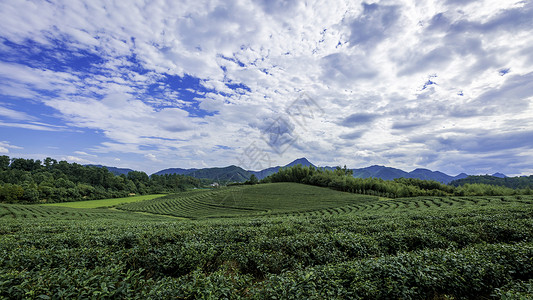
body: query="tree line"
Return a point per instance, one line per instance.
(34, 181)
(341, 179)
(522, 182)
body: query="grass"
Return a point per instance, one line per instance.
(104, 202)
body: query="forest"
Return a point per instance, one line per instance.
(35, 181)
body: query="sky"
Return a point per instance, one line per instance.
(445, 85)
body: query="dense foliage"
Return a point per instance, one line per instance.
(446, 249)
(341, 179)
(32, 181)
(523, 182)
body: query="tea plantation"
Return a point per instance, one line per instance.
(273, 241)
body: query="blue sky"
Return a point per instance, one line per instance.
(444, 85)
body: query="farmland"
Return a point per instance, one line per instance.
(257, 200)
(104, 202)
(280, 240)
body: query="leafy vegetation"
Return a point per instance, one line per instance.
(252, 200)
(341, 179)
(104, 202)
(33, 181)
(523, 182)
(410, 248)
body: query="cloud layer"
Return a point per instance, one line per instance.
(444, 85)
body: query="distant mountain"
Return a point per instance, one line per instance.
(300, 161)
(461, 176)
(499, 175)
(178, 171)
(426, 174)
(231, 173)
(234, 173)
(388, 173)
(114, 170)
(267, 172)
(385, 173)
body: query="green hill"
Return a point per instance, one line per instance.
(255, 200)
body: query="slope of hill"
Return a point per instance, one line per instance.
(178, 171)
(114, 170)
(386, 173)
(499, 175)
(231, 173)
(255, 200)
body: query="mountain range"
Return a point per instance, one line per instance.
(114, 170)
(238, 174)
(231, 173)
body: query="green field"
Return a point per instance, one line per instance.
(104, 202)
(258, 200)
(282, 241)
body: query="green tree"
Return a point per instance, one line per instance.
(253, 180)
(4, 162)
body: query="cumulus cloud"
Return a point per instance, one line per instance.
(123, 118)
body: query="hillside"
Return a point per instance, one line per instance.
(255, 200)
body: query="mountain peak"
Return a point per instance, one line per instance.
(300, 161)
(499, 175)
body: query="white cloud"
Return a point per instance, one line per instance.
(5, 146)
(151, 157)
(14, 115)
(85, 154)
(33, 126)
(75, 159)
